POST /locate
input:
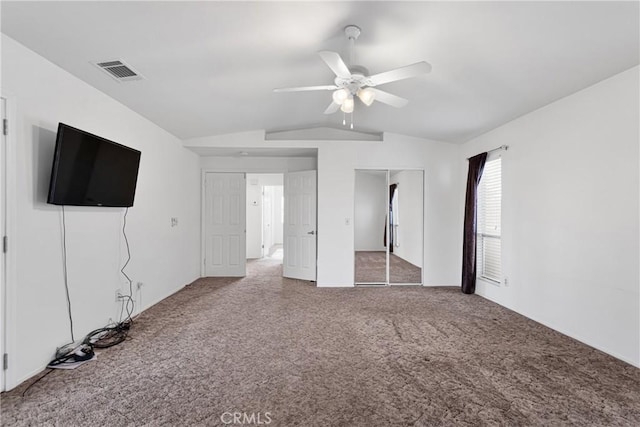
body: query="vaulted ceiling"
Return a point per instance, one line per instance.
(209, 67)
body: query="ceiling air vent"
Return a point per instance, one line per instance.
(118, 70)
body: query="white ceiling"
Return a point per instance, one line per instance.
(210, 67)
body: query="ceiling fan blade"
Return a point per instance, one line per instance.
(388, 98)
(305, 88)
(400, 73)
(332, 108)
(335, 62)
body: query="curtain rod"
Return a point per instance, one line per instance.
(502, 147)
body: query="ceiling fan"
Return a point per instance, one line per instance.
(354, 81)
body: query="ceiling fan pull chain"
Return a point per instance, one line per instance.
(351, 120)
(344, 119)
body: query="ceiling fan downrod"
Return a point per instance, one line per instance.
(352, 32)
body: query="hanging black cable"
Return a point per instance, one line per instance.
(105, 337)
(64, 268)
(129, 297)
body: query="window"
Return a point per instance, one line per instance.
(489, 221)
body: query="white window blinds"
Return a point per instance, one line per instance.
(489, 221)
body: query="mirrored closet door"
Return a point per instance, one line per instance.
(369, 224)
(406, 222)
(389, 227)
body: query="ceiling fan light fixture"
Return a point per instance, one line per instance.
(367, 96)
(347, 105)
(355, 81)
(340, 95)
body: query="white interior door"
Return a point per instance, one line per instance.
(300, 225)
(225, 224)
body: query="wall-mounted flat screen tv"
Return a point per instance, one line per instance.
(92, 171)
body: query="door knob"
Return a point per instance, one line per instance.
(311, 232)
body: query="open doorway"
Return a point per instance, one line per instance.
(272, 221)
(265, 216)
(233, 224)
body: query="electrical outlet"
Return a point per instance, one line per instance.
(174, 222)
(506, 282)
(139, 285)
(118, 295)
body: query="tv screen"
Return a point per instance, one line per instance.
(92, 171)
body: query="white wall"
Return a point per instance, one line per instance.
(258, 164)
(370, 210)
(337, 161)
(410, 201)
(163, 258)
(255, 183)
(571, 215)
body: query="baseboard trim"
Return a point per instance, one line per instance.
(576, 337)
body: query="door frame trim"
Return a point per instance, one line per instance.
(9, 300)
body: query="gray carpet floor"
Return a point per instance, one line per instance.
(333, 357)
(371, 267)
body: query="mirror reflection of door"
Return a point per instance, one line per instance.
(406, 222)
(369, 226)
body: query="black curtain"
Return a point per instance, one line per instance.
(392, 190)
(476, 166)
